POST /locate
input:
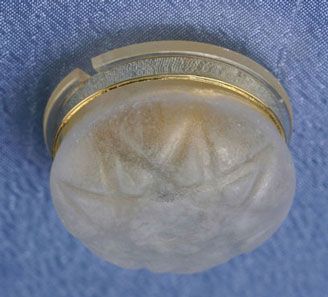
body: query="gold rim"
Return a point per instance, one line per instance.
(256, 102)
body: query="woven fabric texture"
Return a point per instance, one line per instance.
(41, 41)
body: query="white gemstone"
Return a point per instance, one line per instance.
(171, 176)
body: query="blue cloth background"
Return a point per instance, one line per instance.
(41, 41)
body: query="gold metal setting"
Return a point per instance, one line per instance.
(242, 94)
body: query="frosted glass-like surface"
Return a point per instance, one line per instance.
(171, 177)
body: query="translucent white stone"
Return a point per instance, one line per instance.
(171, 176)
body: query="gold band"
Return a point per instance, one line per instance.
(246, 96)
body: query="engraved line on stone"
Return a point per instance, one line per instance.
(75, 205)
(122, 144)
(124, 150)
(247, 163)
